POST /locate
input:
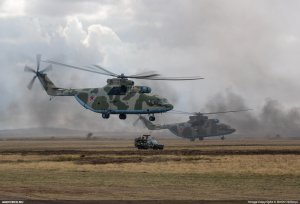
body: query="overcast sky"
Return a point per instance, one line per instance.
(247, 50)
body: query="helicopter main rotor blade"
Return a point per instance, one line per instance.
(136, 76)
(173, 78)
(29, 69)
(180, 112)
(139, 120)
(136, 121)
(209, 113)
(103, 69)
(230, 111)
(38, 61)
(75, 67)
(29, 86)
(145, 74)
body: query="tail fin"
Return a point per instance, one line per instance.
(45, 81)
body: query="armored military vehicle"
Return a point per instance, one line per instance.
(147, 142)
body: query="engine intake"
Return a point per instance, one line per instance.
(144, 89)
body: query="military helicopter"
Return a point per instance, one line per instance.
(198, 126)
(119, 96)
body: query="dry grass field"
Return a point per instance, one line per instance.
(114, 169)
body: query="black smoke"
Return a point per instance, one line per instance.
(272, 119)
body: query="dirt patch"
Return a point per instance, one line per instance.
(185, 152)
(108, 160)
(120, 160)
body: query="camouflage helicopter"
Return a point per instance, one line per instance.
(119, 96)
(198, 126)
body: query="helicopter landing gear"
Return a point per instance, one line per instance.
(223, 138)
(105, 115)
(152, 118)
(122, 116)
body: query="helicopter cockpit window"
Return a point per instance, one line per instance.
(164, 101)
(155, 102)
(222, 127)
(158, 102)
(119, 90)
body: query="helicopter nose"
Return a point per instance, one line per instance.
(232, 130)
(169, 106)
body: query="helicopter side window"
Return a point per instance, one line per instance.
(119, 90)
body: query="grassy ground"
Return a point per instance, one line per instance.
(101, 170)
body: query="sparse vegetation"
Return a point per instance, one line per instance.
(89, 136)
(106, 173)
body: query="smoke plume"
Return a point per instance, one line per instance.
(271, 119)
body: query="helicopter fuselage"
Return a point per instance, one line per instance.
(119, 96)
(208, 128)
(100, 100)
(193, 129)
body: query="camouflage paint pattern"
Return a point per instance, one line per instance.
(110, 99)
(197, 127)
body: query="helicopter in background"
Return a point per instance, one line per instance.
(198, 126)
(119, 96)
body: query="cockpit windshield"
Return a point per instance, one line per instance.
(223, 127)
(163, 101)
(158, 101)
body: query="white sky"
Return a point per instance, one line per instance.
(250, 48)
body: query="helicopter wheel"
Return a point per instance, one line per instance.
(223, 138)
(105, 115)
(152, 118)
(122, 116)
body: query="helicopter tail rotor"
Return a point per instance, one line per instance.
(137, 121)
(36, 72)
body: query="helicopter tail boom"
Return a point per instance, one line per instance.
(47, 84)
(149, 124)
(51, 89)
